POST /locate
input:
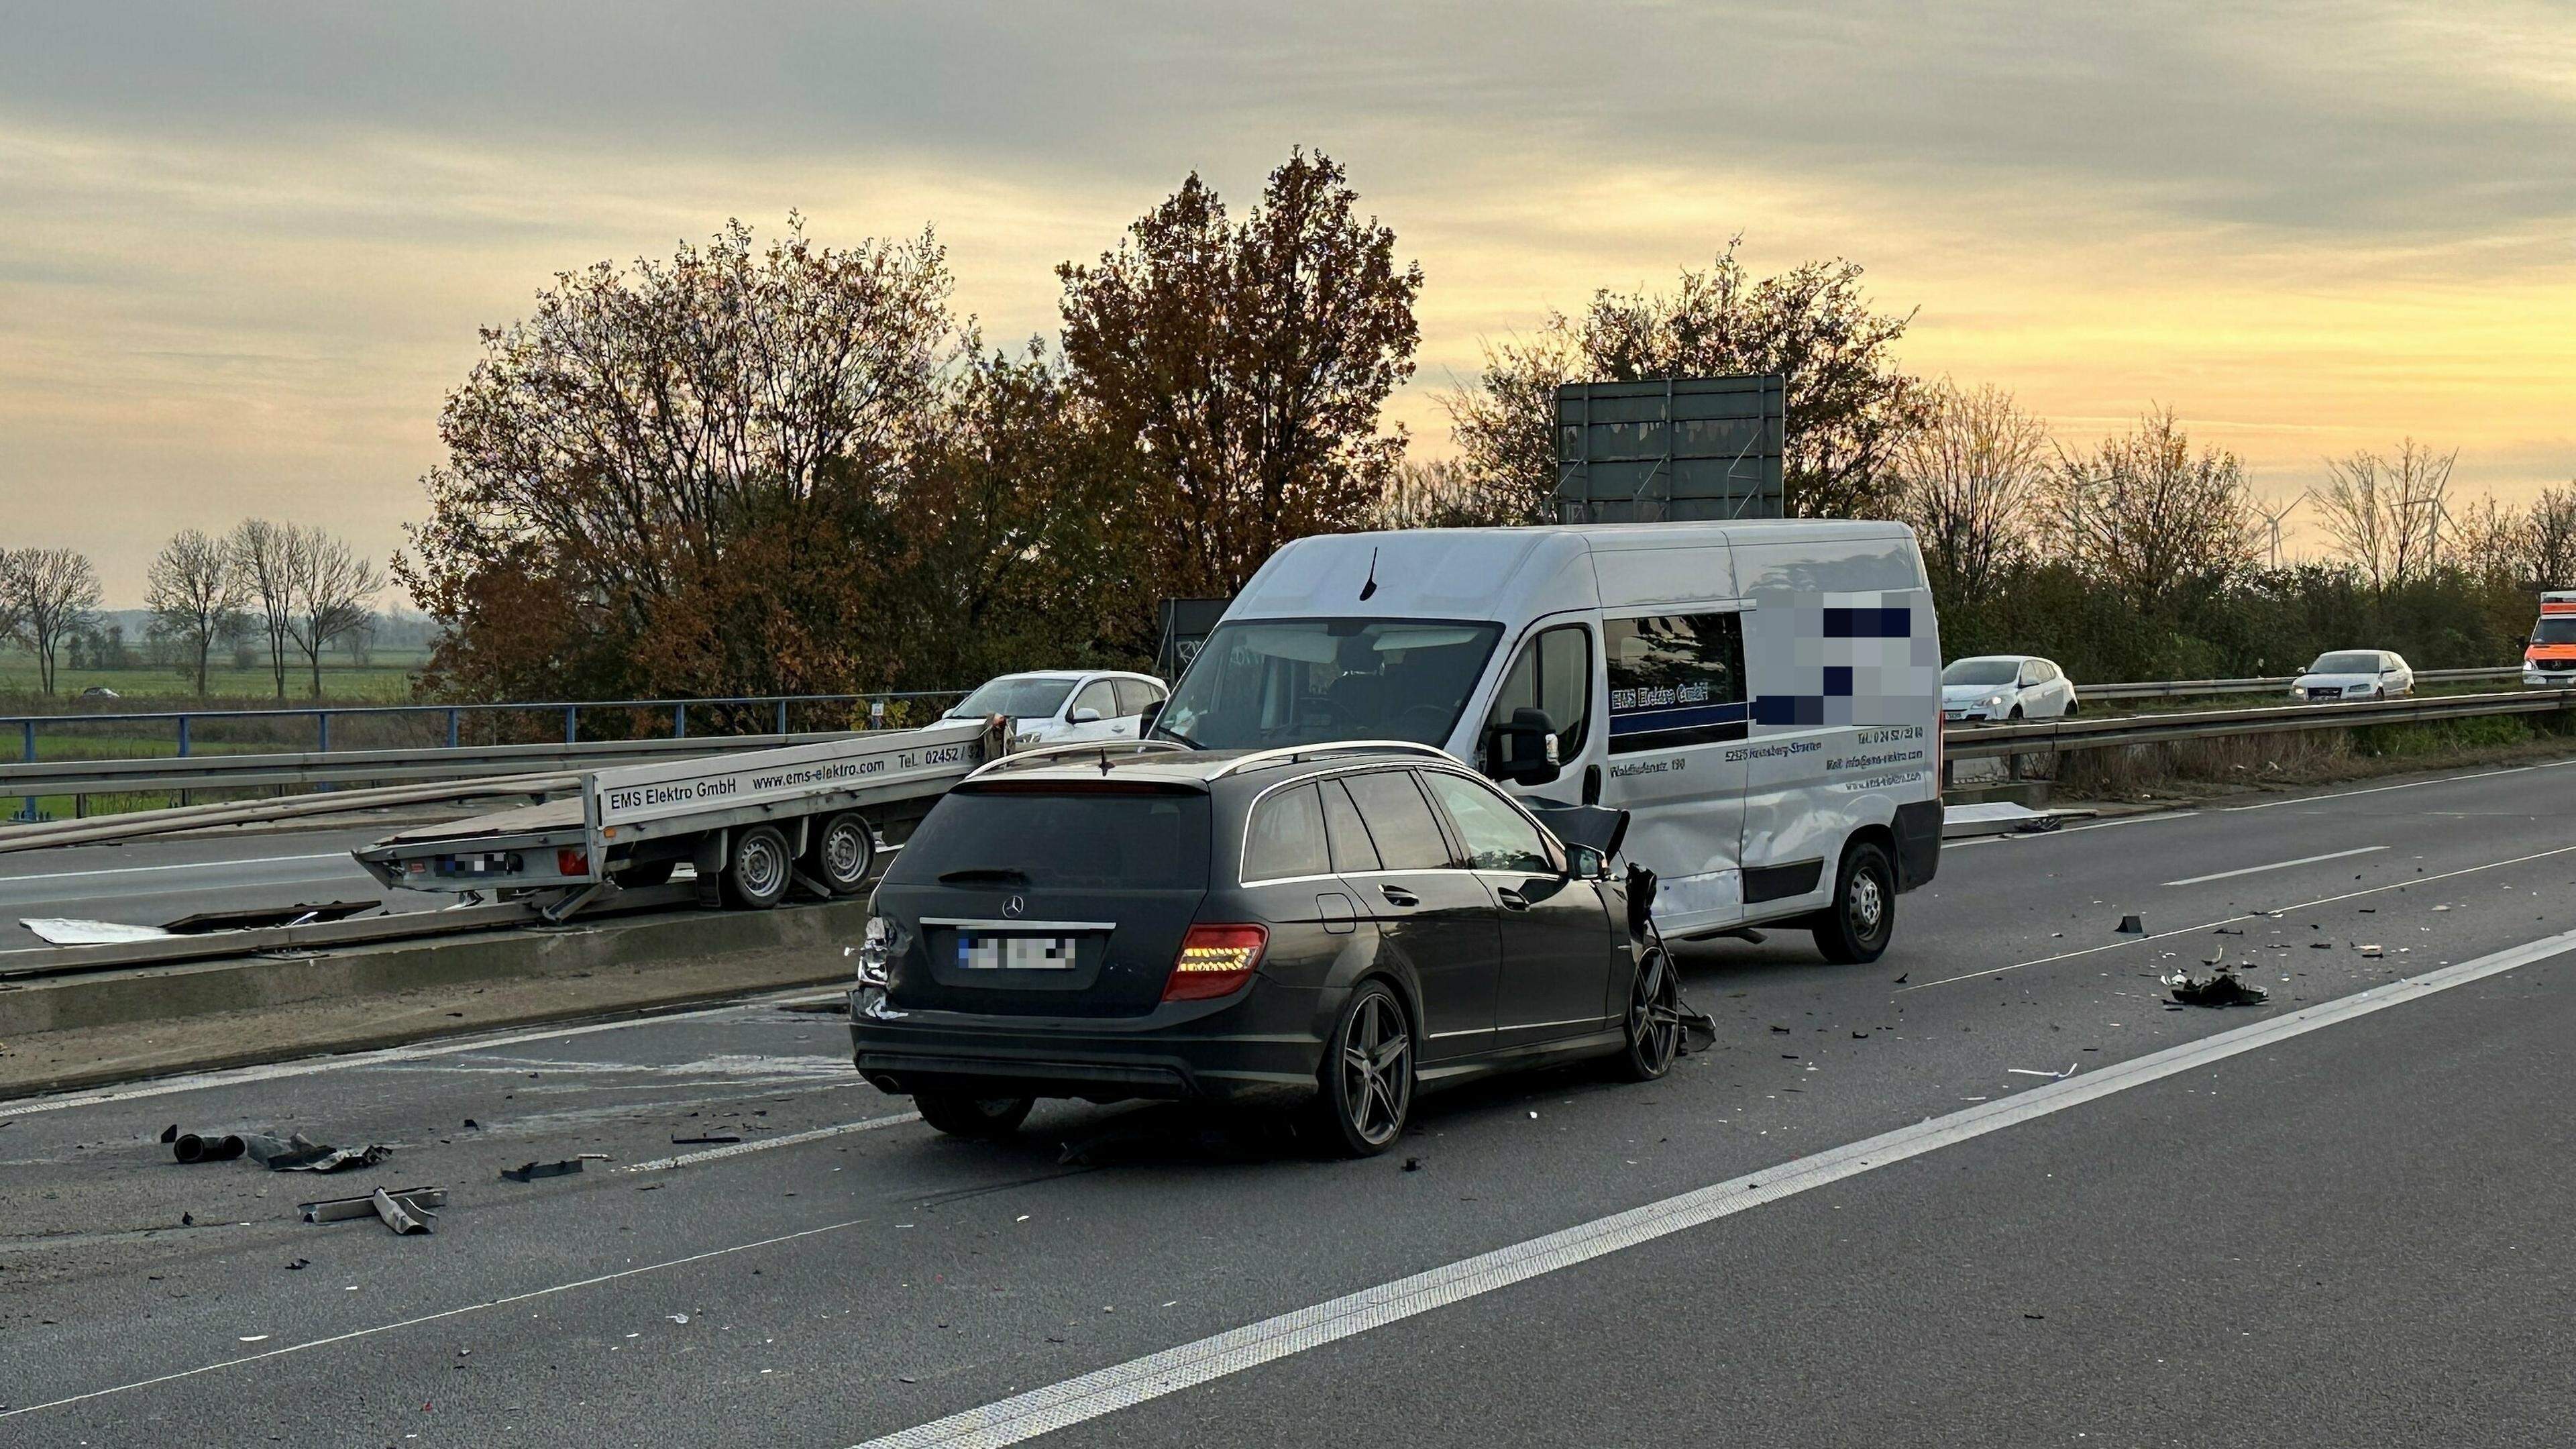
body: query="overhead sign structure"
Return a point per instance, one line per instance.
(1683, 448)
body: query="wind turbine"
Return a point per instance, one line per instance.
(2274, 520)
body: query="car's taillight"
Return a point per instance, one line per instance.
(1215, 961)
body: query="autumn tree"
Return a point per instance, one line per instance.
(2549, 538)
(1240, 368)
(1967, 480)
(53, 598)
(265, 554)
(195, 592)
(2384, 512)
(1849, 404)
(329, 584)
(669, 478)
(2148, 516)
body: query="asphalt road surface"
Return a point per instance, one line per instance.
(1868, 1216)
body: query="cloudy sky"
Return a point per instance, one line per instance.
(246, 247)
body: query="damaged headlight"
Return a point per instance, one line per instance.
(1994, 701)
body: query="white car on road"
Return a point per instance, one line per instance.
(1065, 706)
(2354, 674)
(2005, 686)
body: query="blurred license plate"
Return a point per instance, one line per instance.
(1014, 953)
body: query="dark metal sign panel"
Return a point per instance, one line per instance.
(1670, 449)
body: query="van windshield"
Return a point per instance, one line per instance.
(2556, 629)
(1264, 683)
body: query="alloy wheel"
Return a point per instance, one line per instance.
(1655, 1015)
(1377, 1081)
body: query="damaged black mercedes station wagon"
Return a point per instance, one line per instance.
(1328, 929)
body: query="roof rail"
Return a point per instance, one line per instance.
(1038, 754)
(1293, 753)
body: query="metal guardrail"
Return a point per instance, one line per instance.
(2057, 736)
(2186, 688)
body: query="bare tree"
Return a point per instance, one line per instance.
(1446, 494)
(266, 555)
(329, 585)
(1967, 481)
(2491, 541)
(2549, 538)
(2385, 513)
(54, 593)
(2146, 516)
(195, 593)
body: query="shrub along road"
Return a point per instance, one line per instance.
(2340, 1236)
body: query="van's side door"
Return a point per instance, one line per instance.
(1674, 754)
(1553, 671)
(1438, 919)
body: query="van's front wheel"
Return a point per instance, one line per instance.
(1856, 927)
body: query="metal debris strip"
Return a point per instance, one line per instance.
(2223, 988)
(530, 1172)
(2071, 1069)
(418, 1201)
(398, 1215)
(710, 1140)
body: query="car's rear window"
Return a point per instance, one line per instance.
(1085, 838)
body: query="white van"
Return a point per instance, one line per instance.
(1762, 696)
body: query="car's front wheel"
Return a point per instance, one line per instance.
(1856, 926)
(1366, 1077)
(1654, 1020)
(963, 1114)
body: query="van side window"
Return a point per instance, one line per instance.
(1674, 680)
(1352, 850)
(1287, 837)
(1553, 673)
(1399, 821)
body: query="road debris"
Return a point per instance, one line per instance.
(2221, 989)
(2131, 925)
(398, 1215)
(299, 1153)
(530, 1172)
(712, 1139)
(189, 1147)
(2371, 950)
(2071, 1069)
(418, 1201)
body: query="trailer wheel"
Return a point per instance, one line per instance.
(839, 852)
(757, 868)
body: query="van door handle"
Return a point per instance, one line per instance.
(1399, 896)
(1512, 900)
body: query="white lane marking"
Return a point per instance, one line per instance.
(1027, 1415)
(237, 1076)
(1105, 1391)
(2378, 789)
(357, 1333)
(2276, 865)
(737, 1149)
(339, 855)
(2231, 920)
(2067, 829)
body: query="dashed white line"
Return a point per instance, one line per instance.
(2381, 789)
(2276, 865)
(791, 1139)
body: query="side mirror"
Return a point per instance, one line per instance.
(1086, 715)
(1523, 752)
(1586, 863)
(1152, 712)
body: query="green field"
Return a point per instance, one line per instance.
(385, 679)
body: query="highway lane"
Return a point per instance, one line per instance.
(933, 1277)
(151, 882)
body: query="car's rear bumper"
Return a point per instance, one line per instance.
(1264, 1051)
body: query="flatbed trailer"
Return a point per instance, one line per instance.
(751, 826)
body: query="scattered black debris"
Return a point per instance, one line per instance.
(839, 1006)
(187, 1220)
(1784, 1031)
(1860, 1036)
(417, 1201)
(299, 1264)
(473, 1126)
(2130, 925)
(711, 1139)
(2035, 1315)
(2221, 989)
(530, 1172)
(1413, 1164)
(192, 1148)
(1899, 981)
(170, 1133)
(2321, 945)
(206, 922)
